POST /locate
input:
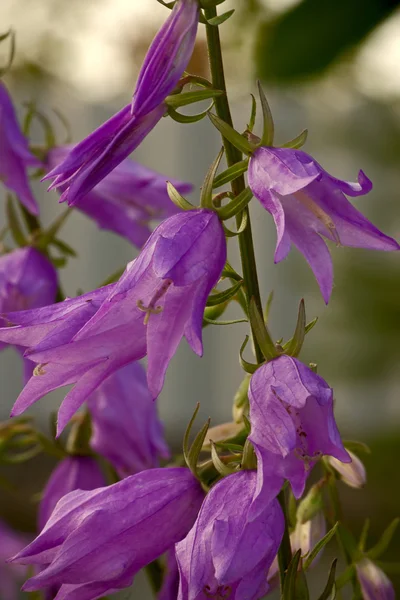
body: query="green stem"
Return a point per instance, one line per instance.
(155, 574)
(285, 549)
(233, 156)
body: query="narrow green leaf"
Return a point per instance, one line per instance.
(294, 346)
(268, 306)
(319, 546)
(345, 577)
(233, 322)
(356, 447)
(302, 592)
(187, 434)
(329, 592)
(268, 122)
(234, 448)
(243, 224)
(224, 296)
(230, 273)
(298, 141)
(50, 447)
(364, 534)
(64, 247)
(177, 198)
(236, 205)
(231, 173)
(186, 98)
(253, 114)
(180, 118)
(221, 467)
(14, 224)
(248, 367)
(219, 19)
(196, 447)
(385, 540)
(289, 587)
(261, 332)
(206, 199)
(238, 140)
(311, 324)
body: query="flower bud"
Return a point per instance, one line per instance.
(374, 583)
(353, 473)
(306, 535)
(310, 505)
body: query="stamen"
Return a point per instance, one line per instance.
(320, 214)
(151, 309)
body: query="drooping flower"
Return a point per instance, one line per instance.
(95, 542)
(15, 156)
(159, 299)
(227, 554)
(292, 424)
(375, 585)
(126, 429)
(27, 280)
(72, 473)
(307, 203)
(98, 154)
(127, 199)
(10, 575)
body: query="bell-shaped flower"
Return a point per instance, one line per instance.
(375, 585)
(11, 576)
(307, 203)
(72, 473)
(127, 199)
(159, 299)
(227, 554)
(126, 429)
(292, 424)
(96, 541)
(98, 154)
(27, 280)
(15, 156)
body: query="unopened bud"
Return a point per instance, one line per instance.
(306, 535)
(373, 581)
(310, 505)
(353, 473)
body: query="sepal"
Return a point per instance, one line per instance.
(261, 332)
(267, 138)
(238, 140)
(191, 452)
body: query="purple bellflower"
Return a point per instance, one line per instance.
(375, 585)
(307, 203)
(95, 542)
(98, 154)
(27, 280)
(127, 199)
(160, 297)
(10, 575)
(15, 156)
(292, 424)
(72, 473)
(226, 554)
(126, 429)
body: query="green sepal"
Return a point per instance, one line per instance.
(231, 173)
(186, 98)
(329, 592)
(51, 447)
(238, 140)
(249, 459)
(236, 205)
(230, 273)
(219, 19)
(78, 441)
(294, 346)
(206, 197)
(302, 592)
(221, 467)
(180, 118)
(63, 247)
(362, 542)
(268, 305)
(177, 198)
(246, 366)
(267, 138)
(384, 541)
(311, 504)
(356, 447)
(47, 237)
(192, 453)
(298, 141)
(14, 223)
(253, 114)
(210, 3)
(319, 546)
(221, 297)
(289, 587)
(261, 332)
(11, 34)
(211, 313)
(229, 322)
(243, 224)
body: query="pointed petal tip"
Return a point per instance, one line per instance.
(365, 182)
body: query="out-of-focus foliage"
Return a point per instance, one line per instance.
(307, 39)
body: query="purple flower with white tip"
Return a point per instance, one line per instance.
(307, 203)
(96, 541)
(127, 199)
(126, 429)
(15, 156)
(375, 585)
(292, 424)
(98, 154)
(27, 280)
(159, 299)
(227, 554)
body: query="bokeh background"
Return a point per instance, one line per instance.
(330, 66)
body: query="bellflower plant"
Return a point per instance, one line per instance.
(227, 554)
(125, 425)
(306, 203)
(15, 156)
(160, 297)
(127, 199)
(96, 541)
(375, 585)
(97, 155)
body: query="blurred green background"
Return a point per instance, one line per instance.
(331, 66)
